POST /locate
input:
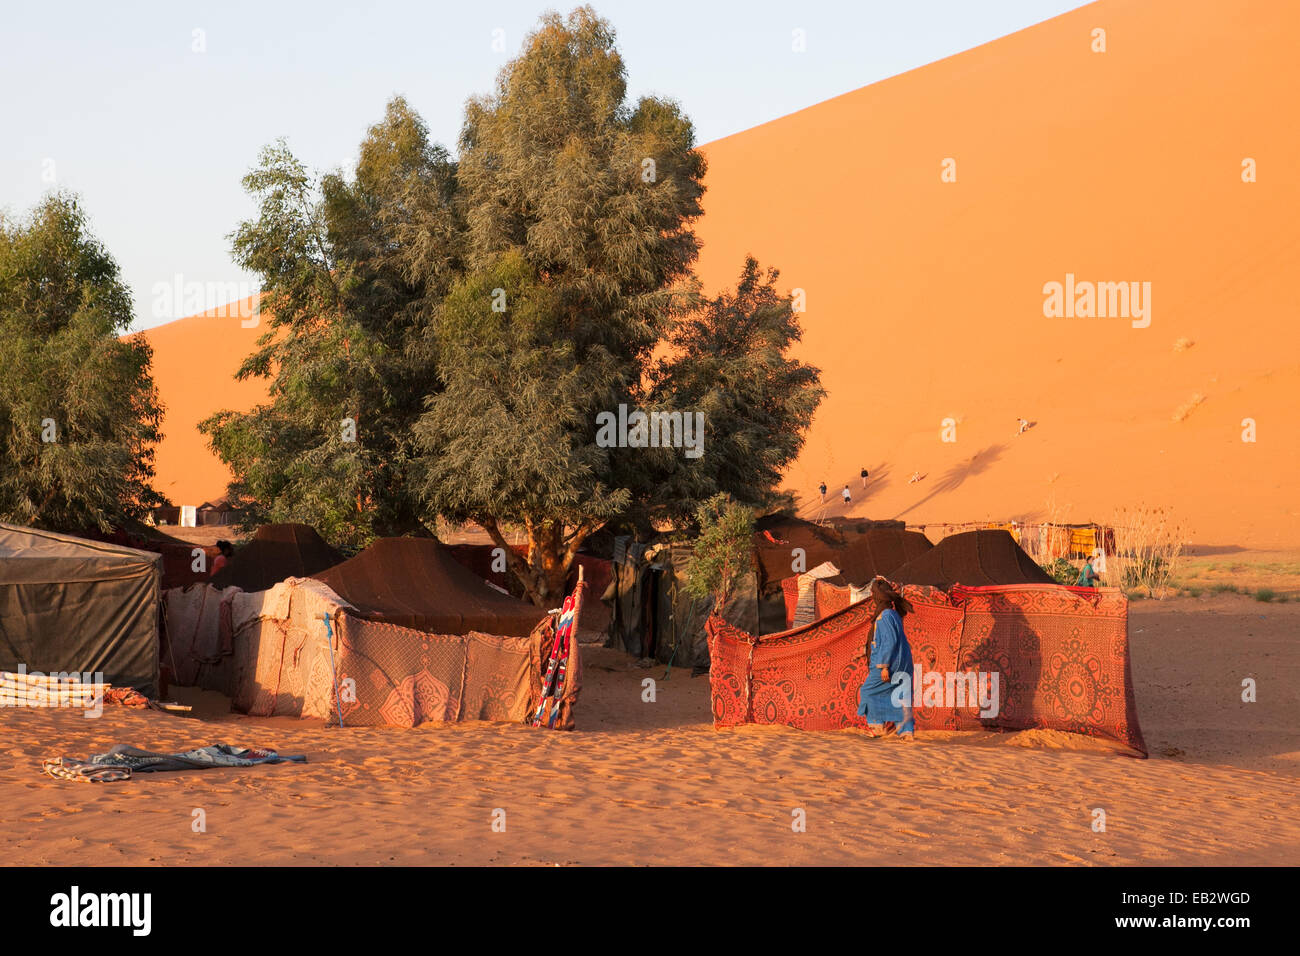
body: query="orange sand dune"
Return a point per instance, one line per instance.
(925, 298)
(194, 365)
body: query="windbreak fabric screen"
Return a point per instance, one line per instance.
(1061, 656)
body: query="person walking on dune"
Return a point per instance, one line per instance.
(822, 489)
(848, 497)
(885, 697)
(864, 479)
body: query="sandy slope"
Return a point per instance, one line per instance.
(925, 298)
(654, 783)
(195, 360)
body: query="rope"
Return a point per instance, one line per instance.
(329, 639)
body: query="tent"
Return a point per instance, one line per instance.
(74, 605)
(286, 662)
(276, 552)
(653, 615)
(416, 583)
(972, 558)
(860, 549)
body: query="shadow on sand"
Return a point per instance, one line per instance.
(952, 479)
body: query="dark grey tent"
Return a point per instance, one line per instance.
(69, 604)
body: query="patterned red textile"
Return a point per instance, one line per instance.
(1061, 655)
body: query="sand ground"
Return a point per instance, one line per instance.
(654, 783)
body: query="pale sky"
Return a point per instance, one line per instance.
(114, 102)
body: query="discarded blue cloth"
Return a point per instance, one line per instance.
(204, 758)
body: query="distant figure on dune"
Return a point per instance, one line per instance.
(864, 478)
(822, 489)
(1024, 424)
(916, 476)
(1088, 578)
(889, 662)
(225, 551)
(848, 498)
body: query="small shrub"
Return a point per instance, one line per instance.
(1265, 595)
(1062, 571)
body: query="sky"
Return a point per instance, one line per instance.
(153, 112)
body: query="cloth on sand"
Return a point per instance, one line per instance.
(889, 649)
(123, 760)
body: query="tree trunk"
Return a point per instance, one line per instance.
(545, 570)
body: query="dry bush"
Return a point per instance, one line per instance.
(1149, 544)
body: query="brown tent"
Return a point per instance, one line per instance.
(973, 558)
(275, 553)
(416, 583)
(860, 548)
(73, 605)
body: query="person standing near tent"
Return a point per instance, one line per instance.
(225, 551)
(1088, 577)
(885, 697)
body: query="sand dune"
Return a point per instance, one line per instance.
(925, 298)
(925, 301)
(195, 361)
(642, 783)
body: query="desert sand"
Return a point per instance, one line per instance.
(925, 298)
(654, 783)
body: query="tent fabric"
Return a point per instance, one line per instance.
(598, 572)
(680, 618)
(395, 675)
(973, 558)
(197, 651)
(73, 605)
(275, 553)
(416, 583)
(861, 550)
(1062, 656)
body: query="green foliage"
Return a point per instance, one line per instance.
(1062, 571)
(476, 317)
(723, 551)
(66, 372)
(729, 359)
(1265, 594)
(348, 271)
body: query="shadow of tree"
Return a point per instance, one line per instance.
(953, 478)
